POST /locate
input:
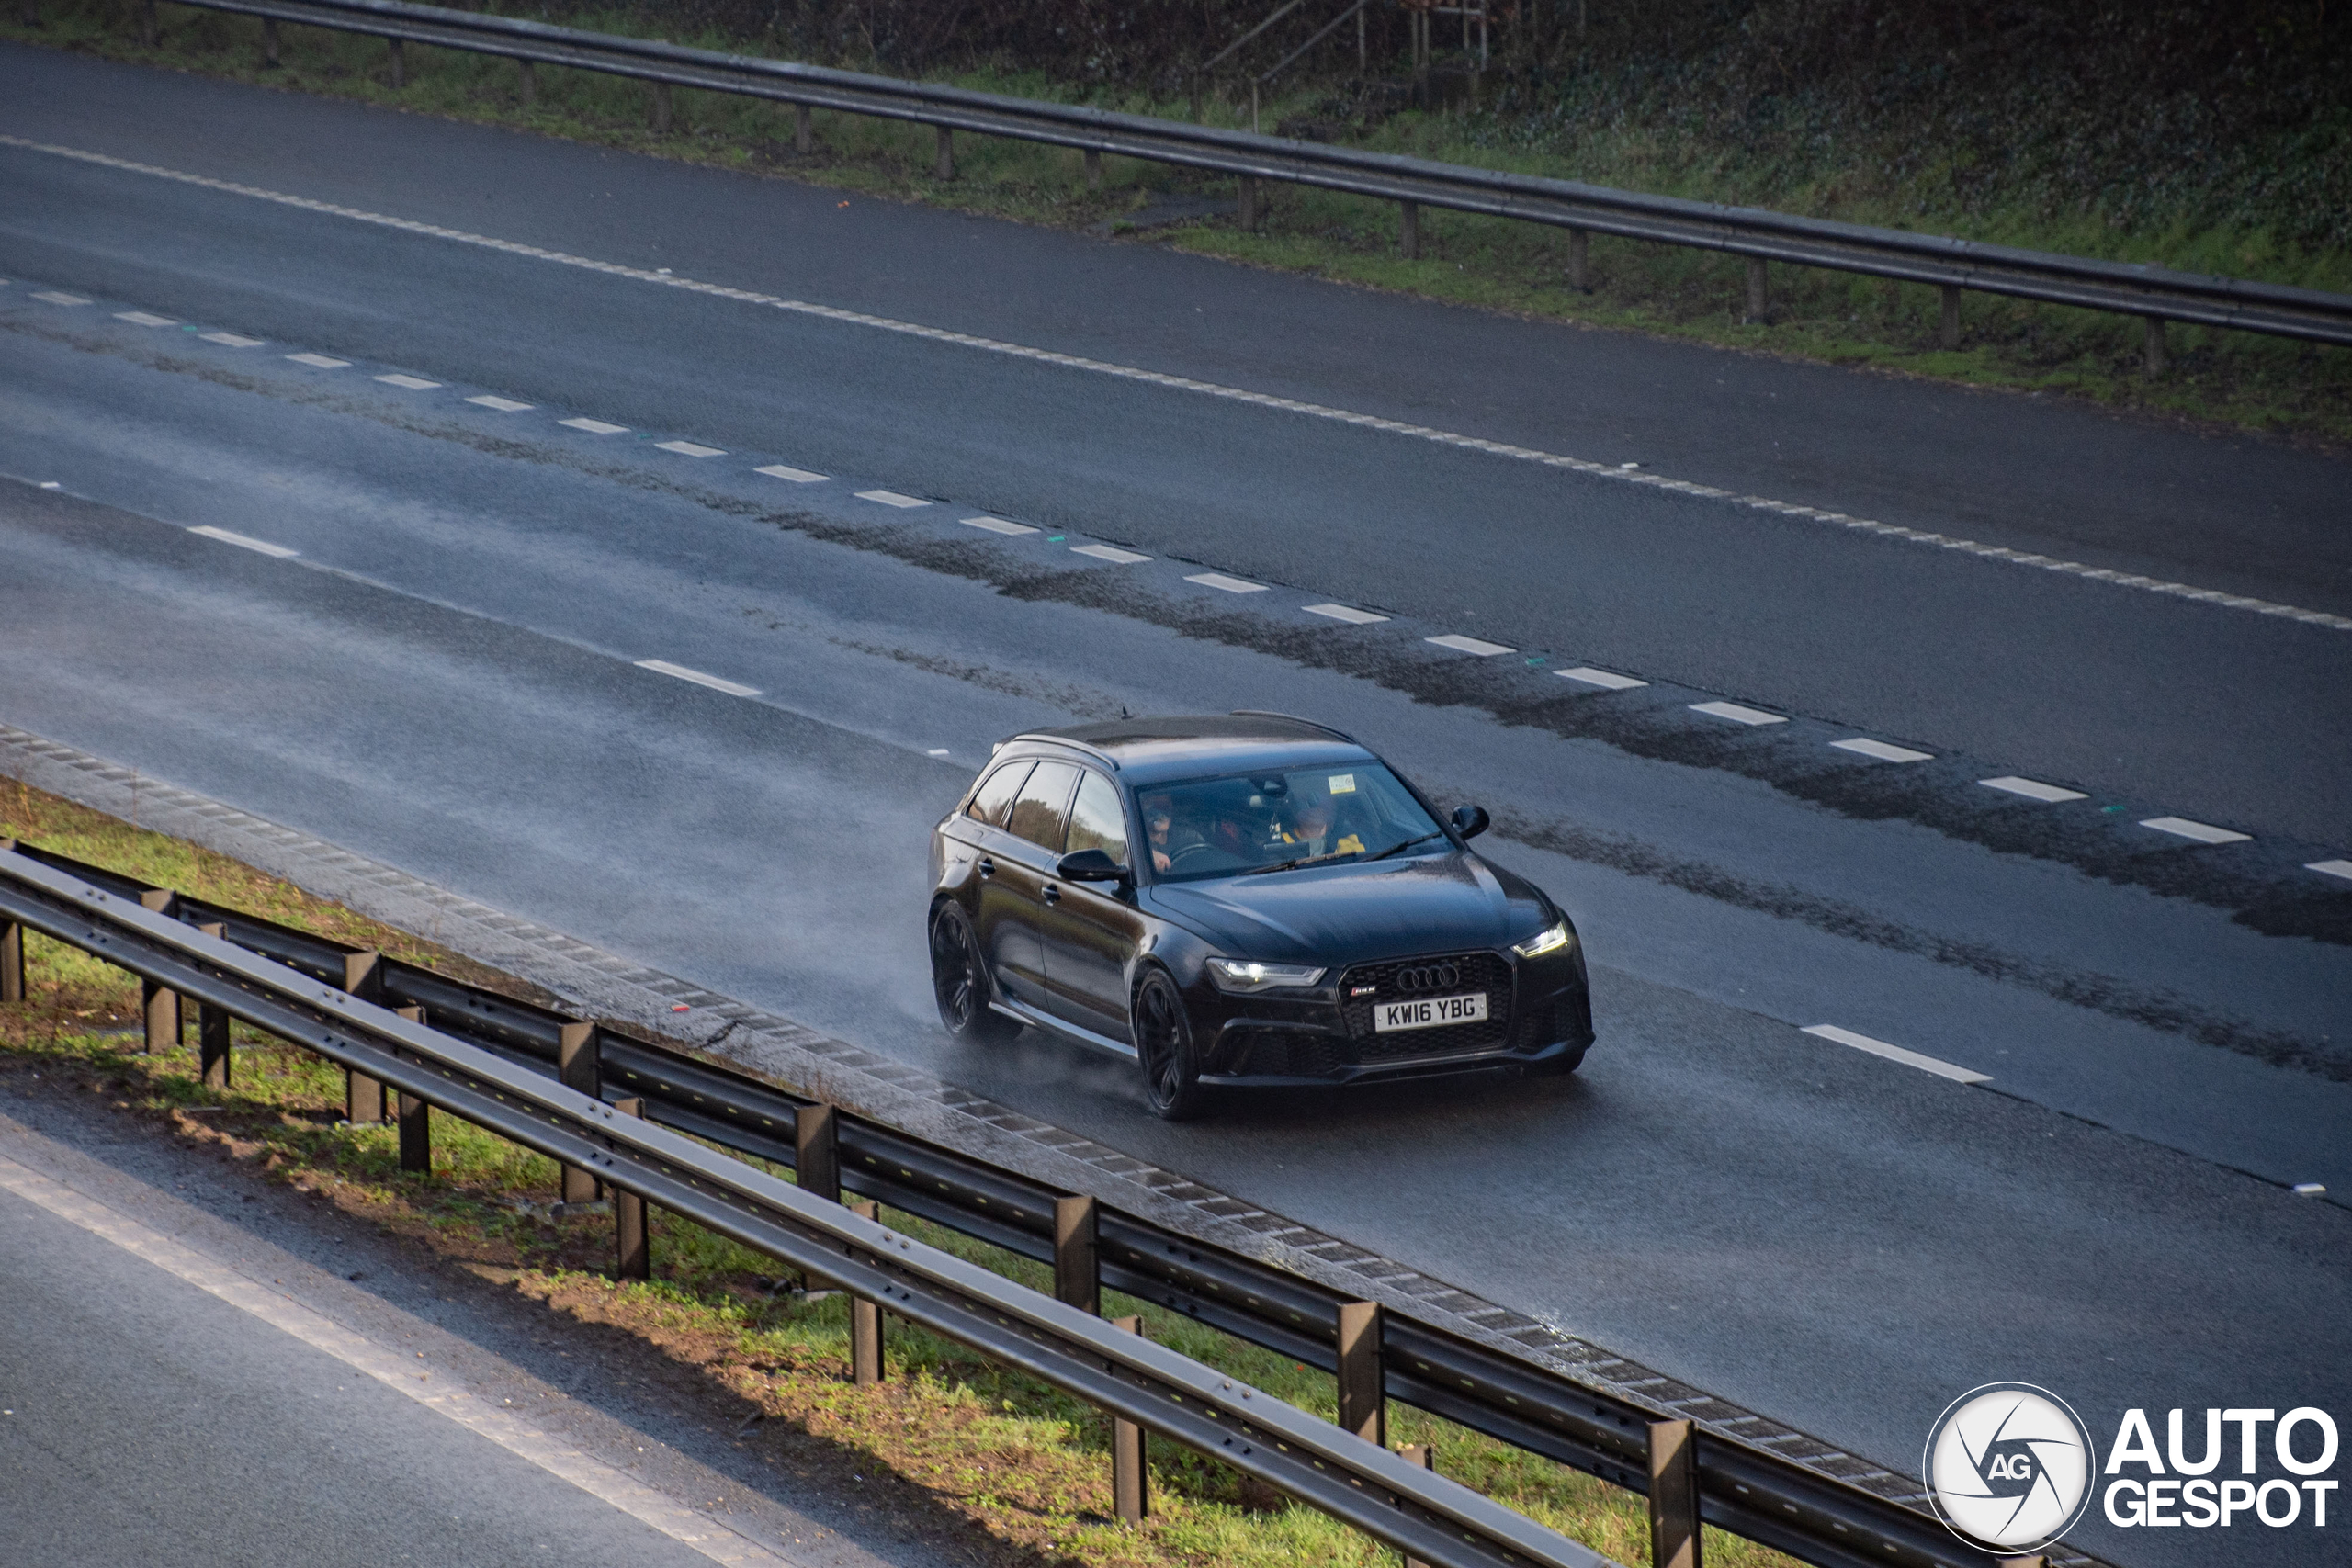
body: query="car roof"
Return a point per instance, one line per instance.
(1152, 751)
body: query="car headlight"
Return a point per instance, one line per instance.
(1543, 942)
(1241, 975)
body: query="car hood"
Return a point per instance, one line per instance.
(1360, 911)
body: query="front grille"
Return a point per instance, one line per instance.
(1485, 972)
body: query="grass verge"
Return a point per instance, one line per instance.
(2215, 377)
(1024, 1468)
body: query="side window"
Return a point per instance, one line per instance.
(1095, 820)
(995, 797)
(1038, 809)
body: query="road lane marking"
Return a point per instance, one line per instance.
(1461, 644)
(234, 340)
(1863, 745)
(2342, 868)
(891, 498)
(679, 672)
(708, 1536)
(245, 541)
(798, 476)
(1897, 1053)
(2203, 832)
(2033, 789)
(999, 525)
(1108, 552)
(1346, 612)
(1230, 584)
(596, 426)
(319, 361)
(504, 405)
(1738, 714)
(145, 319)
(690, 449)
(936, 752)
(56, 298)
(2310, 1190)
(1608, 680)
(413, 383)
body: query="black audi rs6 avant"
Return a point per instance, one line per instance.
(1251, 900)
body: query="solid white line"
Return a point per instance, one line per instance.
(706, 1535)
(999, 525)
(2203, 832)
(144, 318)
(596, 426)
(234, 341)
(319, 360)
(1897, 1053)
(1346, 612)
(1604, 679)
(1230, 584)
(1738, 714)
(1211, 389)
(1461, 644)
(1861, 746)
(2033, 789)
(1108, 552)
(891, 498)
(504, 405)
(798, 476)
(55, 298)
(2342, 868)
(413, 383)
(679, 672)
(690, 449)
(245, 541)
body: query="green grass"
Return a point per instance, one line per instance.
(2233, 379)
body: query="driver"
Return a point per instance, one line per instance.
(1167, 840)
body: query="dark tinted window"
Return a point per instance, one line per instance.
(1096, 821)
(994, 798)
(1221, 827)
(1038, 809)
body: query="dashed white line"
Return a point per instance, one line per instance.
(936, 752)
(891, 498)
(2203, 832)
(2342, 868)
(2033, 789)
(1461, 644)
(690, 449)
(234, 340)
(679, 672)
(797, 476)
(1607, 679)
(1229, 585)
(145, 319)
(1897, 1053)
(319, 361)
(56, 298)
(504, 405)
(1346, 612)
(2309, 1190)
(245, 541)
(1738, 714)
(594, 427)
(413, 383)
(999, 525)
(1863, 745)
(1108, 552)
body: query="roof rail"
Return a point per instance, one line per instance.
(1095, 751)
(1311, 723)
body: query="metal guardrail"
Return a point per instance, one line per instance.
(1748, 1490)
(2156, 294)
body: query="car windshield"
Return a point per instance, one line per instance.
(1268, 821)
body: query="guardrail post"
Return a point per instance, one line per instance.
(1363, 1395)
(1248, 214)
(415, 1118)
(1130, 1488)
(944, 159)
(1078, 1274)
(817, 1160)
(634, 1249)
(580, 1065)
(804, 130)
(1409, 229)
(1759, 300)
(864, 1326)
(1425, 1456)
(529, 88)
(1949, 336)
(2153, 345)
(269, 43)
(1674, 1496)
(2037, 1561)
(158, 1005)
(12, 949)
(212, 1031)
(363, 1097)
(399, 65)
(661, 108)
(1094, 168)
(1579, 275)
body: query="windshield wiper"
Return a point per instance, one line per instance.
(1399, 849)
(1294, 864)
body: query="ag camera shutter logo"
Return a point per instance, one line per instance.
(2010, 1467)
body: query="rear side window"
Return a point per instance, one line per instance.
(1096, 822)
(1038, 810)
(994, 799)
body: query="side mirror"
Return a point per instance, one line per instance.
(1090, 865)
(1469, 820)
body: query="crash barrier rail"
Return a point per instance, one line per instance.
(489, 1057)
(2155, 294)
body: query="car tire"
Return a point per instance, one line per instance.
(1163, 1036)
(960, 981)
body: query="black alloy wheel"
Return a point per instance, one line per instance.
(1171, 1075)
(959, 982)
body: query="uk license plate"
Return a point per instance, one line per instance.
(1428, 1012)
